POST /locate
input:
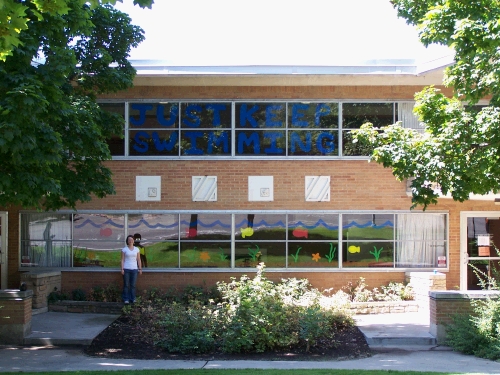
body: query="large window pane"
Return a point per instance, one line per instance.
(206, 254)
(358, 253)
(202, 227)
(313, 143)
(260, 115)
(46, 240)
(368, 240)
(205, 115)
(313, 226)
(250, 254)
(259, 142)
(98, 240)
(421, 240)
(205, 142)
(356, 114)
(156, 232)
(116, 142)
(313, 254)
(260, 226)
(313, 115)
(154, 143)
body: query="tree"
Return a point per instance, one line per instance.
(14, 19)
(460, 149)
(52, 131)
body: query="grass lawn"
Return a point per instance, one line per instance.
(240, 372)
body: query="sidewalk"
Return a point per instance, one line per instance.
(65, 330)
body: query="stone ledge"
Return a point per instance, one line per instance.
(385, 307)
(360, 308)
(86, 307)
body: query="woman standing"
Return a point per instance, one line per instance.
(131, 263)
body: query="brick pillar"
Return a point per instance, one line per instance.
(444, 304)
(423, 283)
(15, 316)
(42, 283)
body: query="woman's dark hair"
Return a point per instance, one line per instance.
(126, 240)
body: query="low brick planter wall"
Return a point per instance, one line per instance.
(87, 307)
(116, 307)
(362, 308)
(445, 304)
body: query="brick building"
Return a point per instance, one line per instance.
(221, 168)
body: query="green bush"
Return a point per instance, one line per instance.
(358, 292)
(245, 315)
(478, 333)
(78, 295)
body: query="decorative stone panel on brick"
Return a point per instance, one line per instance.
(204, 188)
(317, 188)
(148, 188)
(260, 188)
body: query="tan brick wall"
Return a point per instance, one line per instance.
(355, 185)
(179, 280)
(276, 92)
(15, 316)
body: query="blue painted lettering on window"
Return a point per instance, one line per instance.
(321, 110)
(325, 143)
(216, 108)
(253, 139)
(142, 108)
(296, 141)
(271, 116)
(297, 115)
(193, 136)
(273, 149)
(160, 115)
(217, 140)
(246, 115)
(162, 144)
(141, 144)
(191, 116)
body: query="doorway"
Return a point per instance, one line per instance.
(479, 244)
(3, 250)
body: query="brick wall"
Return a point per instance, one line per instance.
(355, 185)
(445, 304)
(15, 316)
(178, 280)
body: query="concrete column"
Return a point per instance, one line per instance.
(42, 283)
(424, 282)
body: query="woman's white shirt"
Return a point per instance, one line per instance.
(130, 261)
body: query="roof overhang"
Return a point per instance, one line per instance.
(365, 73)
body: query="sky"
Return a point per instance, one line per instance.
(275, 32)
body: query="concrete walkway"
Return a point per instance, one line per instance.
(392, 337)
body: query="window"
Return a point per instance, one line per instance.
(250, 129)
(232, 240)
(116, 143)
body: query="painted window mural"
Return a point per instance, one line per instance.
(247, 129)
(169, 240)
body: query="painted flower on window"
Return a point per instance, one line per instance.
(316, 257)
(204, 256)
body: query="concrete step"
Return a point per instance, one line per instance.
(396, 330)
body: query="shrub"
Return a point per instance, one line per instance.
(78, 295)
(57, 295)
(358, 292)
(246, 315)
(479, 333)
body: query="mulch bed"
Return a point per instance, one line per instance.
(124, 340)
